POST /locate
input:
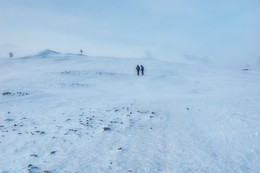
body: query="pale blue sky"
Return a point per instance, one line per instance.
(219, 31)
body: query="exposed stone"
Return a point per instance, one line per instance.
(106, 129)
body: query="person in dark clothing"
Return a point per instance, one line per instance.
(138, 69)
(142, 69)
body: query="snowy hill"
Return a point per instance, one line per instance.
(75, 113)
(44, 54)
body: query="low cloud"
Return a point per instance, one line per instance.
(200, 59)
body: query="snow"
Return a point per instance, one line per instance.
(74, 113)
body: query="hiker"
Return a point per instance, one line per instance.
(137, 69)
(142, 69)
(81, 51)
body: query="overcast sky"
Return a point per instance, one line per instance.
(226, 31)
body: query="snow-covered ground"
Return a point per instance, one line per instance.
(75, 113)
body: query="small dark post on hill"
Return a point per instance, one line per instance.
(11, 54)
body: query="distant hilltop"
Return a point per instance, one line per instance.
(43, 54)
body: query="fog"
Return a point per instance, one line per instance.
(224, 33)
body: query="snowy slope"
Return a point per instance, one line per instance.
(75, 113)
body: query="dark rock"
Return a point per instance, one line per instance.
(17, 93)
(40, 132)
(66, 73)
(22, 93)
(53, 152)
(246, 69)
(6, 93)
(73, 130)
(34, 155)
(106, 129)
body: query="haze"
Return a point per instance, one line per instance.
(217, 31)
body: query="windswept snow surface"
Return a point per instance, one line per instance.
(74, 113)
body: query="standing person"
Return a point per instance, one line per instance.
(137, 69)
(142, 69)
